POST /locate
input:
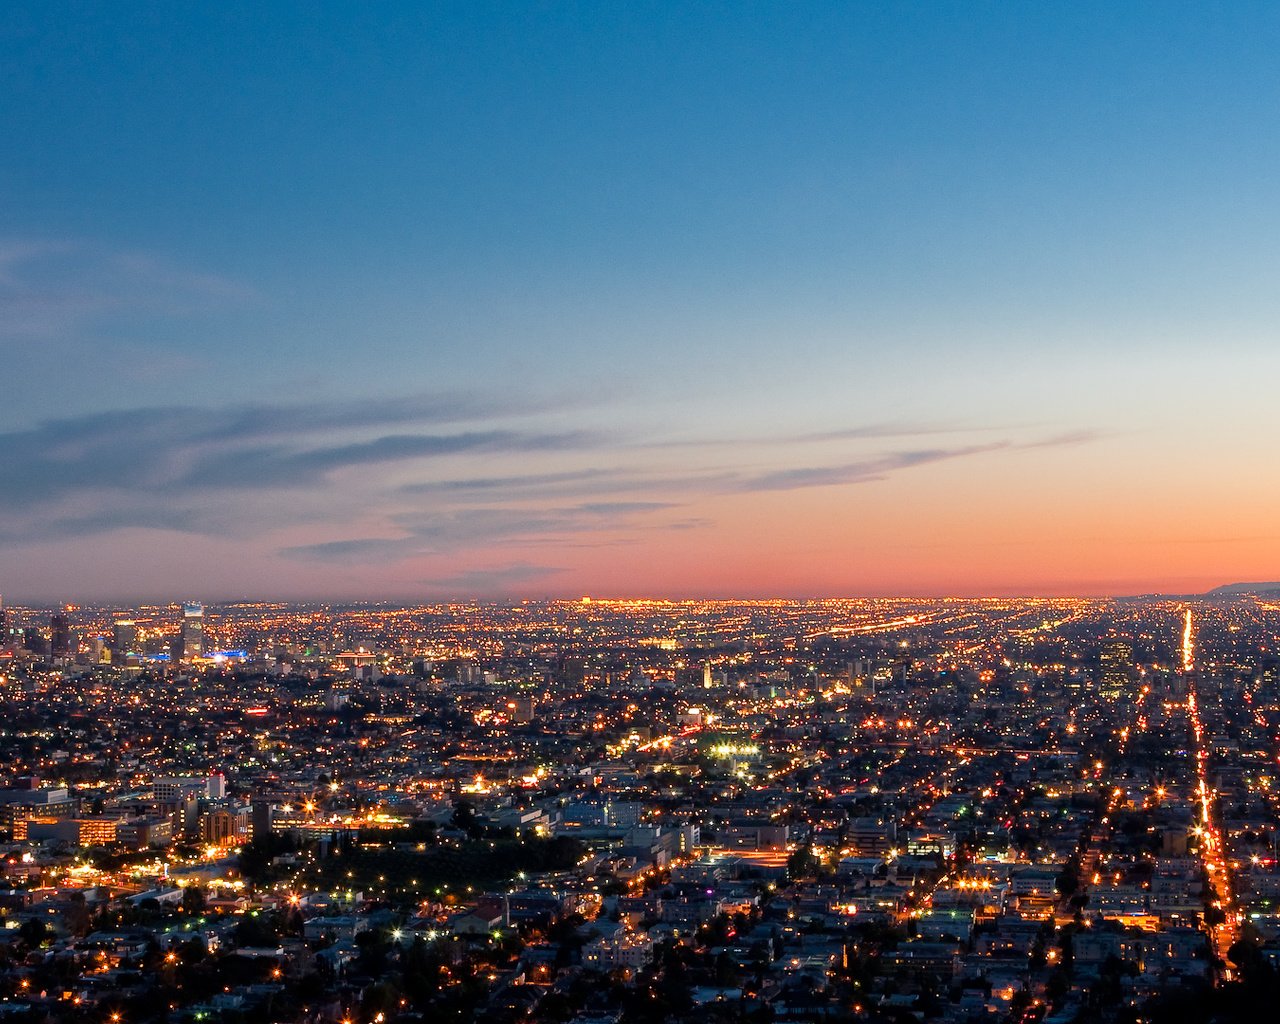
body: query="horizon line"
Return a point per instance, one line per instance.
(39, 604)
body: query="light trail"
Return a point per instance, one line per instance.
(875, 627)
(666, 741)
(1212, 847)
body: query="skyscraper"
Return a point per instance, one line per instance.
(124, 639)
(192, 636)
(60, 635)
(1115, 668)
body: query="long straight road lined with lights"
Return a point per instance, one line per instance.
(1223, 918)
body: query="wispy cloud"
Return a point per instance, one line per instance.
(1068, 440)
(581, 484)
(198, 468)
(361, 551)
(882, 431)
(879, 467)
(17, 530)
(447, 531)
(279, 466)
(173, 449)
(339, 470)
(862, 471)
(725, 477)
(523, 482)
(491, 580)
(49, 288)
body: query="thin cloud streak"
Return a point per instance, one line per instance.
(174, 448)
(198, 469)
(486, 581)
(864, 471)
(50, 289)
(462, 529)
(508, 483)
(862, 432)
(870, 470)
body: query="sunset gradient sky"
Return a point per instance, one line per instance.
(338, 300)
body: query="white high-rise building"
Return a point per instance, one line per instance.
(192, 631)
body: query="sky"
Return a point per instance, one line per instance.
(337, 300)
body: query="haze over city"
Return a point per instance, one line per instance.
(313, 301)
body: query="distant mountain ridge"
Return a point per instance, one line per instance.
(1238, 589)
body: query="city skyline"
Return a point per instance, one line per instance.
(501, 302)
(1022, 811)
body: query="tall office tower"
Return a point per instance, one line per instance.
(262, 817)
(124, 638)
(192, 636)
(1115, 668)
(60, 635)
(10, 632)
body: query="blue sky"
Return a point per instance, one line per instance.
(682, 247)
